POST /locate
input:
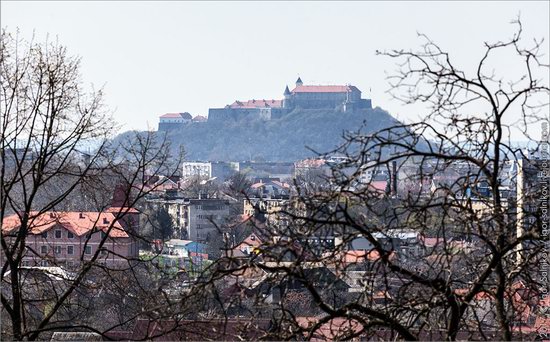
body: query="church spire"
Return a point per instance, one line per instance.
(299, 82)
(287, 91)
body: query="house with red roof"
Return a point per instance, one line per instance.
(67, 238)
(170, 121)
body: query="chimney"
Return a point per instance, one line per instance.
(81, 215)
(105, 220)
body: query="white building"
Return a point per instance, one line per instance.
(176, 118)
(201, 169)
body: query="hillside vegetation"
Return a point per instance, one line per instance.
(289, 138)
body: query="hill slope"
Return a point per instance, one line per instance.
(284, 139)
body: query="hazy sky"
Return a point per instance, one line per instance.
(158, 57)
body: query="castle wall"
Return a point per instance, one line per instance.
(365, 104)
(170, 126)
(361, 104)
(323, 100)
(277, 113)
(342, 101)
(237, 114)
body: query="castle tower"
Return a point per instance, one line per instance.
(299, 82)
(286, 101)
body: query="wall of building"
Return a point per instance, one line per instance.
(279, 170)
(169, 126)
(191, 169)
(315, 100)
(206, 217)
(119, 250)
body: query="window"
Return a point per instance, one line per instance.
(45, 235)
(70, 235)
(57, 249)
(70, 250)
(44, 249)
(58, 234)
(88, 250)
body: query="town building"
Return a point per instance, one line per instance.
(196, 169)
(171, 121)
(219, 170)
(270, 210)
(269, 188)
(196, 219)
(66, 238)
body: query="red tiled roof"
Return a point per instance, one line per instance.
(200, 118)
(281, 184)
(177, 116)
(432, 241)
(324, 89)
(252, 240)
(78, 223)
(257, 104)
(171, 116)
(122, 210)
(378, 185)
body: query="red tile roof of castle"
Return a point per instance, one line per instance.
(78, 223)
(200, 118)
(257, 104)
(324, 89)
(185, 115)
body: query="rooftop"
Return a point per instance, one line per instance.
(257, 104)
(78, 223)
(324, 89)
(185, 115)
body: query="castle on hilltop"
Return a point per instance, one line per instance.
(343, 98)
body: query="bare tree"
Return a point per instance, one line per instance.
(449, 249)
(454, 256)
(56, 155)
